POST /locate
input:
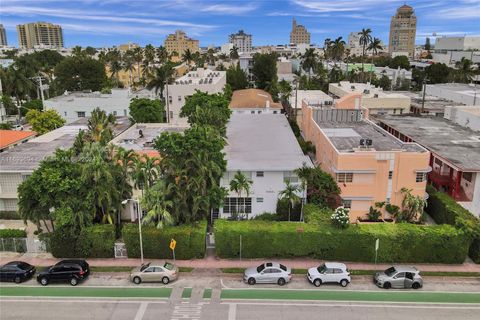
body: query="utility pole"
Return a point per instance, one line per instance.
(1, 102)
(423, 96)
(40, 84)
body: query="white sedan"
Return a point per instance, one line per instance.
(329, 272)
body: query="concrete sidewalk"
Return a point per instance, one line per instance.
(215, 263)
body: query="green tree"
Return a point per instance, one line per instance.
(145, 172)
(309, 60)
(385, 83)
(43, 122)
(464, 72)
(143, 110)
(285, 90)
(412, 206)
(234, 53)
(163, 76)
(10, 107)
(157, 205)
(290, 194)
(264, 70)
(303, 174)
(187, 57)
(400, 61)
(79, 73)
(240, 184)
(338, 49)
(438, 73)
(365, 40)
(236, 77)
(32, 105)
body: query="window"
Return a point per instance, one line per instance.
(81, 114)
(115, 113)
(252, 112)
(399, 275)
(179, 98)
(387, 201)
(65, 113)
(421, 177)
(171, 114)
(259, 112)
(438, 161)
(467, 176)
(125, 112)
(259, 200)
(237, 205)
(345, 177)
(170, 100)
(259, 173)
(290, 177)
(275, 112)
(390, 175)
(347, 203)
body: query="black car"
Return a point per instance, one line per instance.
(63, 272)
(82, 263)
(16, 271)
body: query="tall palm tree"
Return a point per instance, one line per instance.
(309, 60)
(149, 53)
(100, 126)
(240, 183)
(162, 54)
(234, 52)
(163, 76)
(187, 57)
(338, 48)
(303, 174)
(465, 70)
(158, 205)
(129, 66)
(290, 194)
(77, 51)
(137, 54)
(327, 48)
(145, 171)
(285, 90)
(365, 40)
(374, 46)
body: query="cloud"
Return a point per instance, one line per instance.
(340, 6)
(230, 9)
(468, 12)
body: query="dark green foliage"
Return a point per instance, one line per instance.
(32, 104)
(267, 216)
(145, 110)
(79, 73)
(399, 243)
(322, 189)
(10, 215)
(5, 126)
(12, 233)
(444, 210)
(236, 77)
(190, 241)
(282, 210)
(438, 73)
(400, 61)
(265, 70)
(93, 242)
(314, 215)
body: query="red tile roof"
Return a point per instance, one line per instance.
(10, 137)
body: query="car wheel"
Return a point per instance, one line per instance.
(251, 281)
(44, 281)
(387, 285)
(281, 282)
(165, 280)
(317, 282)
(416, 285)
(137, 280)
(17, 279)
(73, 281)
(344, 283)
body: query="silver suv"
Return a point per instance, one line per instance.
(399, 277)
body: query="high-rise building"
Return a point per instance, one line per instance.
(299, 34)
(242, 41)
(40, 34)
(3, 36)
(179, 42)
(403, 28)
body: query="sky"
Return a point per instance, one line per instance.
(102, 23)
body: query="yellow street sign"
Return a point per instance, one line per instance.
(173, 243)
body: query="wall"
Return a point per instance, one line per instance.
(473, 190)
(463, 117)
(9, 182)
(456, 95)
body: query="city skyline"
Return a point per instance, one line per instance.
(112, 22)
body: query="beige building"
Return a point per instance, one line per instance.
(179, 42)
(3, 36)
(40, 34)
(299, 33)
(403, 28)
(128, 46)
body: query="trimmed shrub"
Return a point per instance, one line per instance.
(314, 215)
(444, 210)
(398, 242)
(267, 216)
(96, 241)
(10, 215)
(190, 241)
(12, 233)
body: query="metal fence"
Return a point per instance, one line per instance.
(13, 244)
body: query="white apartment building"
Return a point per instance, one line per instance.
(374, 99)
(461, 93)
(466, 116)
(204, 80)
(241, 40)
(225, 48)
(449, 50)
(264, 148)
(75, 105)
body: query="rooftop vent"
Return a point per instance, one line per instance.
(366, 143)
(375, 95)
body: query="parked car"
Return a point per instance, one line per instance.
(329, 272)
(82, 263)
(16, 271)
(399, 277)
(164, 272)
(64, 271)
(269, 272)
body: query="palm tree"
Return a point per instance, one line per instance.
(290, 194)
(374, 46)
(156, 203)
(327, 48)
(163, 76)
(129, 66)
(162, 54)
(285, 90)
(145, 171)
(465, 70)
(77, 51)
(137, 54)
(234, 52)
(338, 48)
(100, 126)
(309, 60)
(365, 40)
(303, 174)
(240, 183)
(149, 53)
(187, 57)
(347, 59)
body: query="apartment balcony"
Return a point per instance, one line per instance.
(440, 179)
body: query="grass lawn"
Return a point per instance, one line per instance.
(407, 296)
(207, 293)
(54, 291)
(187, 293)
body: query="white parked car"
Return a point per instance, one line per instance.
(329, 272)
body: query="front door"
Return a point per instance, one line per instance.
(398, 280)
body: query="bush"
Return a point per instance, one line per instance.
(282, 210)
(190, 241)
(10, 215)
(12, 233)
(96, 241)
(341, 218)
(314, 215)
(267, 216)
(399, 243)
(444, 210)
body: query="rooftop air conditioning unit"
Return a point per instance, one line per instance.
(352, 87)
(375, 95)
(366, 91)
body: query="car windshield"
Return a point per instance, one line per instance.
(168, 266)
(24, 266)
(322, 268)
(390, 271)
(260, 268)
(145, 266)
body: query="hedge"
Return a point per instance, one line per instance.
(398, 242)
(444, 210)
(12, 233)
(96, 241)
(190, 241)
(10, 215)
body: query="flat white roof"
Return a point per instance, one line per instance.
(262, 142)
(311, 96)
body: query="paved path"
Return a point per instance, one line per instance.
(211, 262)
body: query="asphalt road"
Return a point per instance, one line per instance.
(26, 308)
